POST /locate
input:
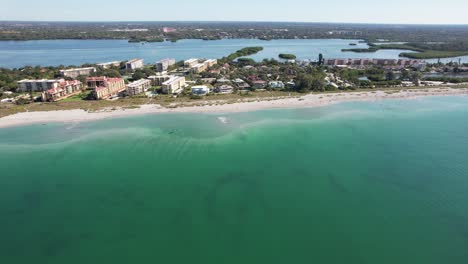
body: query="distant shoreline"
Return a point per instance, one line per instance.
(253, 104)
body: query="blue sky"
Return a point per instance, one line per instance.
(359, 11)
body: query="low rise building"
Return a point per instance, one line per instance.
(38, 85)
(276, 85)
(224, 89)
(134, 64)
(190, 63)
(259, 84)
(200, 90)
(157, 80)
(164, 64)
(174, 85)
(63, 90)
(138, 87)
(104, 87)
(75, 73)
(107, 65)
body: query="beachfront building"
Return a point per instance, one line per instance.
(260, 84)
(38, 85)
(224, 89)
(107, 65)
(134, 64)
(174, 85)
(164, 64)
(64, 90)
(104, 87)
(138, 87)
(158, 79)
(76, 72)
(200, 90)
(276, 85)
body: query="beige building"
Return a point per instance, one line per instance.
(190, 63)
(65, 89)
(104, 87)
(174, 85)
(157, 80)
(38, 85)
(134, 64)
(163, 65)
(200, 66)
(138, 87)
(74, 73)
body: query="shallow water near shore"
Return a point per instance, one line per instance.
(358, 182)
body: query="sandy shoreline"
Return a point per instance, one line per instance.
(310, 100)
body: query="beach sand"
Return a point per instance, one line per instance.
(253, 104)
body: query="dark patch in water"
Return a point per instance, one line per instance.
(250, 195)
(336, 184)
(32, 199)
(55, 246)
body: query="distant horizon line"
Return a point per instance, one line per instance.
(226, 21)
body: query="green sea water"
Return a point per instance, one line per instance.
(363, 182)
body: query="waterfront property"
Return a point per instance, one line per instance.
(159, 79)
(362, 63)
(224, 89)
(259, 84)
(164, 64)
(276, 85)
(107, 65)
(138, 87)
(199, 66)
(64, 90)
(241, 84)
(104, 87)
(75, 73)
(200, 90)
(174, 85)
(134, 64)
(37, 85)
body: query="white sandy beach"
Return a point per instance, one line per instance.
(310, 100)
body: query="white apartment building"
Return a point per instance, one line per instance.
(75, 73)
(134, 64)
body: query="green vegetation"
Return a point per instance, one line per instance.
(421, 50)
(145, 39)
(287, 56)
(241, 53)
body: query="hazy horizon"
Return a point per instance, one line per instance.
(400, 12)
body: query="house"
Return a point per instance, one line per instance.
(200, 90)
(75, 73)
(260, 84)
(138, 87)
(241, 84)
(276, 85)
(223, 81)
(174, 85)
(104, 87)
(224, 89)
(134, 64)
(64, 90)
(164, 64)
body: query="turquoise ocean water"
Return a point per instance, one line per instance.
(362, 182)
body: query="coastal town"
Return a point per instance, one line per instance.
(196, 78)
